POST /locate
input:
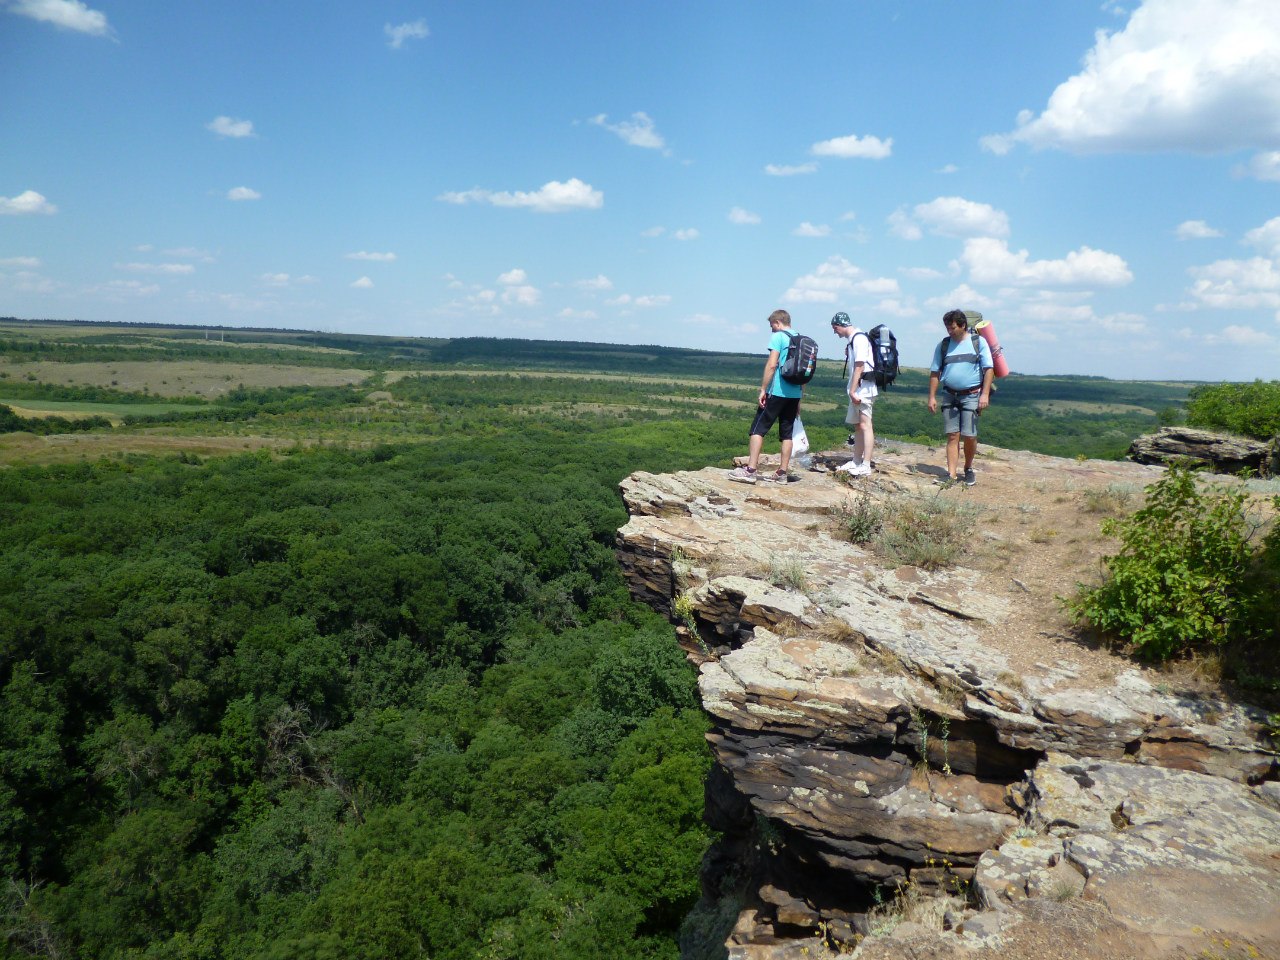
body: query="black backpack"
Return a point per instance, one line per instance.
(802, 359)
(884, 348)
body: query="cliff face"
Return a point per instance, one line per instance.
(886, 728)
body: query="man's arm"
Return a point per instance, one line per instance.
(856, 380)
(933, 391)
(984, 398)
(766, 381)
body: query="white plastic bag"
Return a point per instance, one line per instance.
(799, 439)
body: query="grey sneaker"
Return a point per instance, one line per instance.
(778, 476)
(970, 478)
(742, 475)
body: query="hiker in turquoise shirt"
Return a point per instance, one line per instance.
(778, 400)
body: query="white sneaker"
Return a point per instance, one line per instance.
(854, 469)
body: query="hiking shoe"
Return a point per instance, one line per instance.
(778, 476)
(970, 478)
(742, 475)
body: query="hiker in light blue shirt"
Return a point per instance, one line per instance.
(962, 367)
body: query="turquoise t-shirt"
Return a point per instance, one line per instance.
(780, 388)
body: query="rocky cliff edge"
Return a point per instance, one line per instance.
(914, 762)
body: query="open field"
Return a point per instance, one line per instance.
(24, 449)
(393, 375)
(79, 410)
(1067, 407)
(180, 378)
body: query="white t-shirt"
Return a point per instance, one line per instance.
(858, 350)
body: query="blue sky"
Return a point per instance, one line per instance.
(1101, 179)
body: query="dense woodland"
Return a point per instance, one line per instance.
(376, 689)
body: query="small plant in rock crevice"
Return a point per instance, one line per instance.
(788, 570)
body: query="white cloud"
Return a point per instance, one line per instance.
(1239, 336)
(275, 279)
(372, 257)
(1237, 284)
(185, 253)
(1196, 230)
(230, 127)
(1262, 166)
(638, 131)
(552, 197)
(513, 276)
(1266, 237)
(28, 262)
(1195, 75)
(243, 193)
(958, 217)
(901, 225)
(990, 261)
(921, 273)
(897, 308)
(598, 282)
(652, 232)
(27, 202)
(832, 278)
(133, 288)
(65, 15)
(853, 146)
(808, 229)
(396, 36)
(652, 300)
(876, 285)
(521, 294)
(780, 170)
(963, 297)
(690, 233)
(364, 283)
(949, 168)
(743, 217)
(171, 269)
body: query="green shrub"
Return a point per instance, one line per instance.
(1178, 584)
(1250, 409)
(930, 532)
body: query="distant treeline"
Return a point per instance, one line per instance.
(11, 422)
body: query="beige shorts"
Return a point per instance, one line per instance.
(860, 409)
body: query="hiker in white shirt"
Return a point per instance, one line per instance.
(860, 360)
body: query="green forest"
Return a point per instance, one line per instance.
(294, 670)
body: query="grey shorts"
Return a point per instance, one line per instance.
(960, 413)
(863, 409)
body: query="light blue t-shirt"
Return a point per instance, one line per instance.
(780, 388)
(962, 372)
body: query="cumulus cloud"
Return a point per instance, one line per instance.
(921, 273)
(1263, 166)
(646, 300)
(743, 217)
(836, 278)
(1266, 237)
(29, 263)
(513, 276)
(853, 146)
(171, 269)
(598, 282)
(372, 257)
(1237, 284)
(963, 297)
(64, 14)
(781, 170)
(950, 217)
(243, 193)
(364, 283)
(275, 279)
(397, 35)
(1196, 230)
(552, 197)
(639, 131)
(521, 294)
(689, 233)
(1195, 75)
(991, 261)
(807, 229)
(230, 127)
(27, 202)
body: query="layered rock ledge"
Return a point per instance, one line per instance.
(874, 731)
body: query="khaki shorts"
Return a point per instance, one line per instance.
(863, 409)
